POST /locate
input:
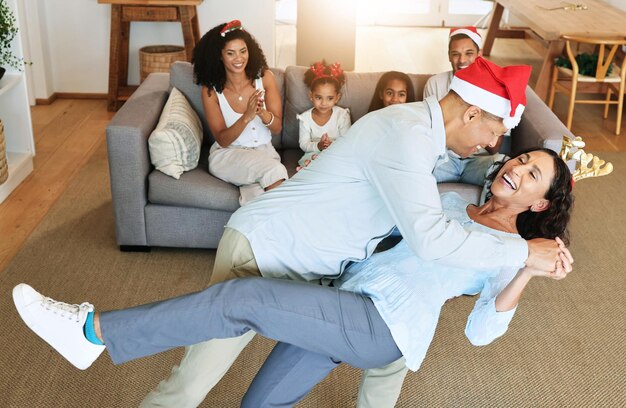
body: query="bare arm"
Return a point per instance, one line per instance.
(273, 104)
(499, 298)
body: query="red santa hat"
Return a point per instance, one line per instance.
(497, 90)
(471, 32)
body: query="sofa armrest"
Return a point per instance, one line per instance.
(129, 159)
(539, 127)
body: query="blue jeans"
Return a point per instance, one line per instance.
(471, 170)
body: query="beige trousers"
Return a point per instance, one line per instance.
(252, 169)
(204, 364)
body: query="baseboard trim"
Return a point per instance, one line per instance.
(70, 95)
(48, 101)
(78, 95)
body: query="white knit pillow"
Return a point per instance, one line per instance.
(175, 143)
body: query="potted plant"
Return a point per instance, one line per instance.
(8, 31)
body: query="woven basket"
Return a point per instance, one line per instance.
(158, 58)
(4, 165)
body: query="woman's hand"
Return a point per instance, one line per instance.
(254, 106)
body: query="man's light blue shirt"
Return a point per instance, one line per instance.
(409, 292)
(375, 177)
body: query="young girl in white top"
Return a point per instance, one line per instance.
(325, 122)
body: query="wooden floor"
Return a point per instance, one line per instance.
(68, 131)
(66, 134)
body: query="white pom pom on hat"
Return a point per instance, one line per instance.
(469, 31)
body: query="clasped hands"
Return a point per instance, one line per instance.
(256, 107)
(324, 142)
(549, 258)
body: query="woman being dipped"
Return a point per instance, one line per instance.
(380, 309)
(243, 108)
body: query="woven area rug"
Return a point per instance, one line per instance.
(565, 347)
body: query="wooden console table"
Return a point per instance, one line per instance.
(547, 26)
(125, 11)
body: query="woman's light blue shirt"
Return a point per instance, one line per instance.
(409, 292)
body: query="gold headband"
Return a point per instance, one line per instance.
(587, 165)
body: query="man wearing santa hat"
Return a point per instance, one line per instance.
(464, 47)
(337, 210)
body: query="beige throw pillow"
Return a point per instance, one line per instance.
(175, 143)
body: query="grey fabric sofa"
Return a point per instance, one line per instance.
(152, 209)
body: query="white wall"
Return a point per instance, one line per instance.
(70, 46)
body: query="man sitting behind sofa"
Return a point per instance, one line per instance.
(337, 210)
(464, 47)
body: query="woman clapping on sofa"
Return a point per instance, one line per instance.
(243, 108)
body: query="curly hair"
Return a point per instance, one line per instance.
(207, 62)
(312, 78)
(552, 222)
(377, 102)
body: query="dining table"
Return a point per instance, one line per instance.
(544, 22)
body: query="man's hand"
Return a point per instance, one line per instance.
(543, 254)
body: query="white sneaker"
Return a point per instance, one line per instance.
(59, 324)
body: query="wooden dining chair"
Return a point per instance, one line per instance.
(571, 82)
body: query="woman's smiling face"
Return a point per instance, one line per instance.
(524, 180)
(235, 55)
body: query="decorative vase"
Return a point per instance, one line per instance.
(4, 165)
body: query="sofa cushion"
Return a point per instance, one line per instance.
(196, 188)
(181, 78)
(356, 95)
(289, 158)
(175, 143)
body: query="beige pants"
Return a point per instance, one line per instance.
(252, 169)
(204, 364)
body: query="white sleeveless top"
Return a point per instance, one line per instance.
(255, 133)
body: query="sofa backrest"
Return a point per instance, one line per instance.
(539, 125)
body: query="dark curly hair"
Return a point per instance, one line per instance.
(208, 67)
(552, 222)
(312, 80)
(377, 102)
